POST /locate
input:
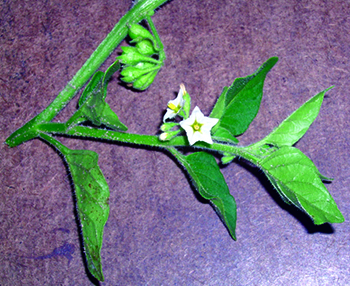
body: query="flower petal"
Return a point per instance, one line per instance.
(204, 123)
(174, 106)
(169, 114)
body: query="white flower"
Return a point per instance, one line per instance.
(198, 127)
(174, 106)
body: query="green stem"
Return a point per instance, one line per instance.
(58, 145)
(146, 140)
(138, 12)
(162, 56)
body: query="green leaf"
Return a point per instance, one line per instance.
(239, 104)
(220, 133)
(97, 110)
(93, 106)
(324, 178)
(112, 69)
(94, 83)
(223, 135)
(298, 181)
(92, 195)
(219, 107)
(210, 183)
(296, 125)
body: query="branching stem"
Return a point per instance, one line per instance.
(144, 140)
(138, 12)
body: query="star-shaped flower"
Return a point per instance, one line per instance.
(198, 127)
(175, 106)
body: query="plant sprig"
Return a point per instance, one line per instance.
(291, 173)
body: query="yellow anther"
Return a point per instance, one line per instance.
(172, 106)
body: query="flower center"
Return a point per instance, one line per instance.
(196, 126)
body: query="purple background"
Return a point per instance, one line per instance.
(158, 232)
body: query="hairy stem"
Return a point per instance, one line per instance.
(145, 140)
(58, 145)
(162, 56)
(137, 13)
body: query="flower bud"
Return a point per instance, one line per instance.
(187, 104)
(168, 126)
(131, 57)
(146, 48)
(163, 136)
(144, 65)
(167, 136)
(132, 73)
(145, 81)
(138, 33)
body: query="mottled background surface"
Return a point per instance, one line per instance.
(158, 232)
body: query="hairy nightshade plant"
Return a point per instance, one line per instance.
(292, 174)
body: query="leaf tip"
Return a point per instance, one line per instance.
(329, 88)
(271, 61)
(274, 59)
